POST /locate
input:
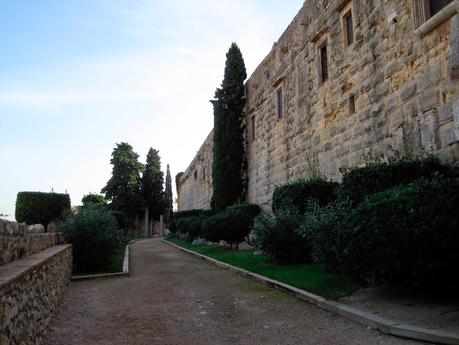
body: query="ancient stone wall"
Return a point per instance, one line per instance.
(17, 241)
(195, 189)
(392, 90)
(30, 290)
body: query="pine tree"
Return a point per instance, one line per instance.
(123, 188)
(152, 184)
(228, 149)
(168, 203)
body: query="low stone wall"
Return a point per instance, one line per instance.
(30, 291)
(16, 241)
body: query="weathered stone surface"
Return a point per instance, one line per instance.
(398, 80)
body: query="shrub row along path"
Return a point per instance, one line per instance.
(174, 298)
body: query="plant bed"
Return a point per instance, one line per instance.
(309, 277)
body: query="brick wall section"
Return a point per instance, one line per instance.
(30, 291)
(16, 241)
(195, 189)
(406, 98)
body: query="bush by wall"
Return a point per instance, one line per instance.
(320, 229)
(121, 219)
(359, 182)
(40, 208)
(278, 236)
(406, 235)
(297, 194)
(94, 234)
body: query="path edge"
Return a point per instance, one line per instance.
(383, 325)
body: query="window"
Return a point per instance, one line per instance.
(351, 104)
(425, 9)
(280, 104)
(252, 127)
(323, 63)
(196, 175)
(348, 28)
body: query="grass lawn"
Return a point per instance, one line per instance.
(309, 277)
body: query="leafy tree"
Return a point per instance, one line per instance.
(94, 199)
(168, 190)
(152, 184)
(228, 149)
(123, 188)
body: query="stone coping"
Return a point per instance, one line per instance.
(124, 273)
(13, 271)
(362, 317)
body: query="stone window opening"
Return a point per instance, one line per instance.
(196, 174)
(323, 62)
(351, 104)
(204, 174)
(280, 103)
(252, 128)
(423, 10)
(348, 28)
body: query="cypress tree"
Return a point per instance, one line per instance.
(152, 184)
(228, 149)
(168, 190)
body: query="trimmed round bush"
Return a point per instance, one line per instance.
(359, 182)
(407, 235)
(94, 199)
(94, 234)
(298, 194)
(40, 208)
(278, 236)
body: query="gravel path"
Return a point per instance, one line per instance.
(174, 298)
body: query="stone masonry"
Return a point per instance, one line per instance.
(347, 79)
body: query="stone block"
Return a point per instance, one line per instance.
(383, 88)
(391, 68)
(447, 134)
(428, 99)
(408, 91)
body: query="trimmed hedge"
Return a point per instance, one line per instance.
(40, 208)
(297, 194)
(176, 216)
(359, 182)
(407, 235)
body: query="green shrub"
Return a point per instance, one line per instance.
(297, 194)
(191, 213)
(40, 208)
(407, 235)
(320, 228)
(94, 234)
(172, 226)
(360, 182)
(121, 219)
(278, 236)
(94, 199)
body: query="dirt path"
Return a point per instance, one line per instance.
(174, 298)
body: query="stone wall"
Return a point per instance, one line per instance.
(393, 90)
(17, 241)
(195, 189)
(30, 291)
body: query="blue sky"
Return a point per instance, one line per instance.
(78, 76)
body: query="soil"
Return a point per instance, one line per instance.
(174, 298)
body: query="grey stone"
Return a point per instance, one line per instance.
(428, 100)
(408, 91)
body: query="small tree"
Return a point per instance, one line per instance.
(228, 149)
(152, 184)
(96, 199)
(123, 188)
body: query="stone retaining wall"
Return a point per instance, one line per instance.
(30, 291)
(16, 241)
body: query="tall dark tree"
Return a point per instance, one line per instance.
(228, 149)
(123, 188)
(168, 203)
(152, 184)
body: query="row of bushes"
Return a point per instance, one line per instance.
(232, 225)
(388, 222)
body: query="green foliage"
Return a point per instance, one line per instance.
(298, 194)
(228, 148)
(379, 175)
(123, 188)
(40, 208)
(405, 235)
(94, 234)
(278, 236)
(320, 229)
(94, 199)
(191, 213)
(152, 184)
(212, 227)
(168, 203)
(121, 219)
